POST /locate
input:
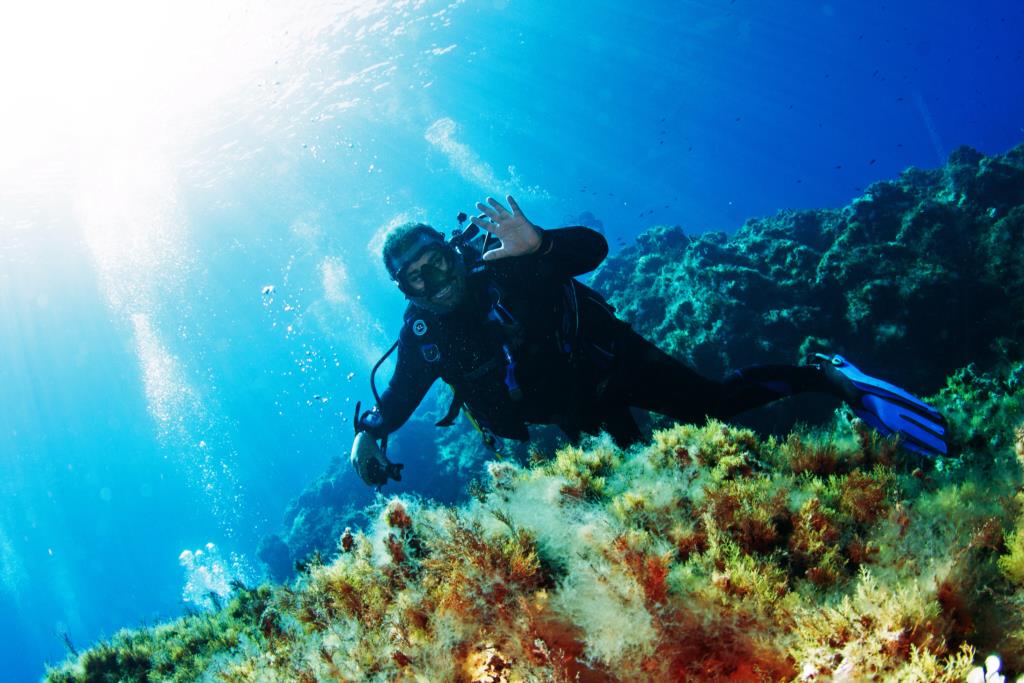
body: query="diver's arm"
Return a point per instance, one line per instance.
(564, 252)
(406, 389)
(519, 237)
(571, 251)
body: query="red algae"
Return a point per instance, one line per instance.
(726, 572)
(397, 516)
(863, 496)
(709, 554)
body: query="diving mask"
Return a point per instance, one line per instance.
(428, 273)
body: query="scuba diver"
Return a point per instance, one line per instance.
(496, 312)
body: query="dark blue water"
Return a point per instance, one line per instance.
(155, 399)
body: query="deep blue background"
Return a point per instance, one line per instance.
(702, 114)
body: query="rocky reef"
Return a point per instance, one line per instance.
(715, 552)
(918, 277)
(710, 554)
(321, 512)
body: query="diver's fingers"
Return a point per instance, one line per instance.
(516, 211)
(495, 254)
(484, 222)
(498, 207)
(488, 211)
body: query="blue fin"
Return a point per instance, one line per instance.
(891, 410)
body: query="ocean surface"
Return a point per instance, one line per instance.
(192, 196)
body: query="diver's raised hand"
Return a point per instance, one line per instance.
(517, 234)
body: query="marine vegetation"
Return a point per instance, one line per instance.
(713, 552)
(708, 554)
(914, 279)
(320, 512)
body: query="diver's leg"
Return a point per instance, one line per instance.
(647, 377)
(613, 418)
(757, 385)
(622, 427)
(572, 433)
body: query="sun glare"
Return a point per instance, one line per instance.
(86, 78)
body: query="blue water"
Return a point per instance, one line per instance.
(155, 399)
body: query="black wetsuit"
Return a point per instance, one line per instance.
(575, 364)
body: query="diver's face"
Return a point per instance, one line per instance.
(430, 276)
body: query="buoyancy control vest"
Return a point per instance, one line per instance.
(481, 352)
(479, 349)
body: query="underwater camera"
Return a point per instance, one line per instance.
(465, 236)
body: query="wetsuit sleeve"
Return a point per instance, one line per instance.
(570, 251)
(406, 389)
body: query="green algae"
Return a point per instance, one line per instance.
(181, 650)
(709, 554)
(913, 280)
